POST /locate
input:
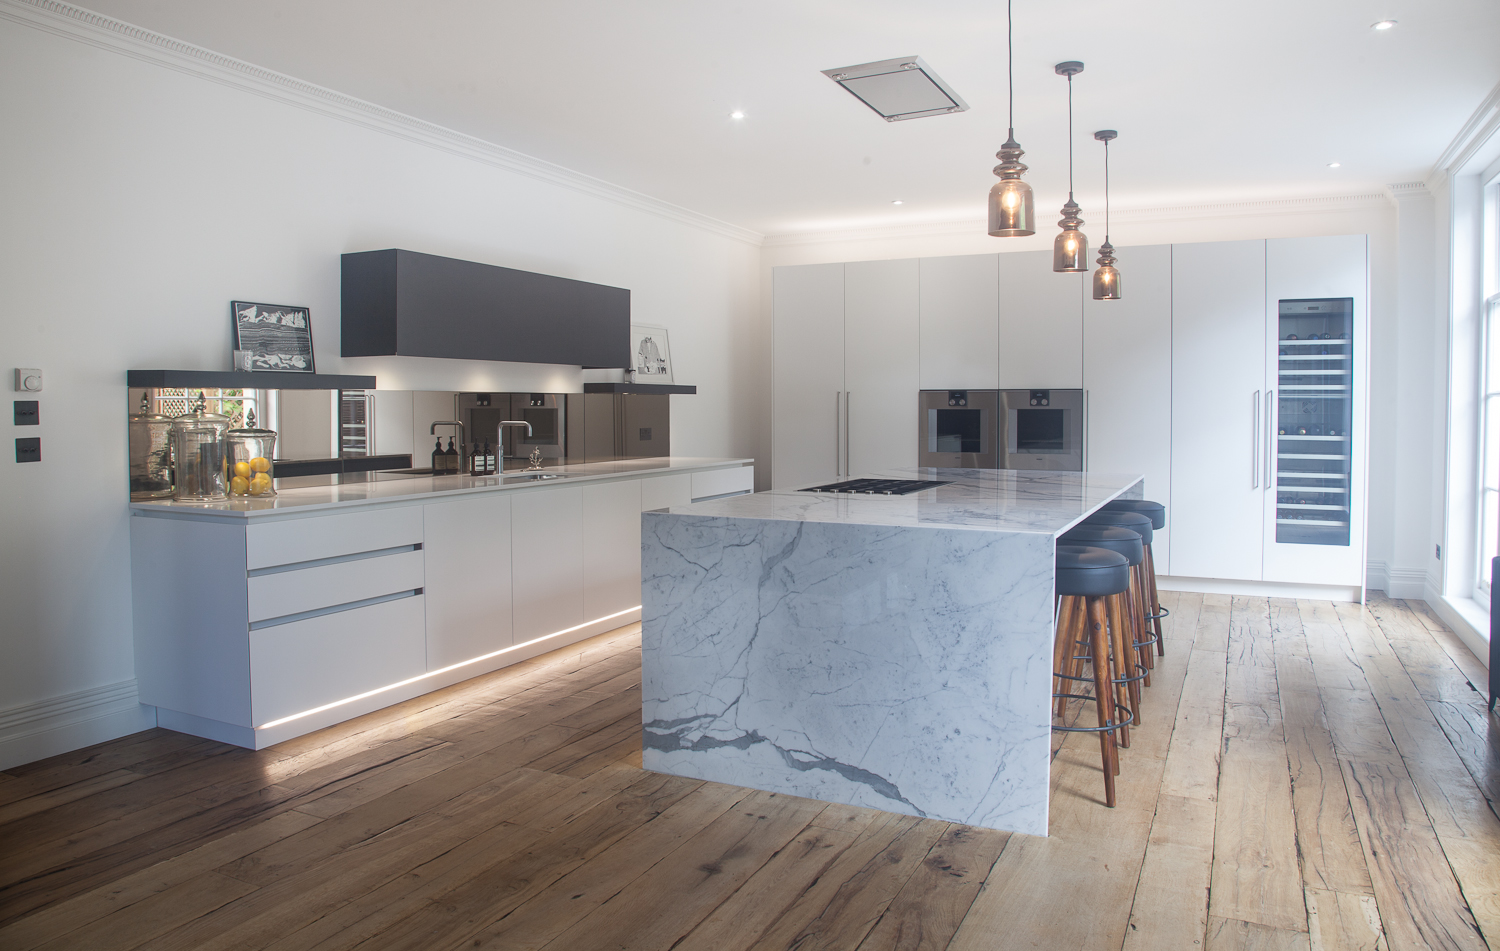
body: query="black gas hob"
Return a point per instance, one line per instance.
(878, 486)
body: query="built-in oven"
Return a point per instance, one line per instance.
(1041, 429)
(482, 414)
(958, 429)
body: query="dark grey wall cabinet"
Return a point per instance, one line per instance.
(421, 305)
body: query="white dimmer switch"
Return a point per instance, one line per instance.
(28, 380)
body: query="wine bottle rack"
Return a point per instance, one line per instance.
(1313, 442)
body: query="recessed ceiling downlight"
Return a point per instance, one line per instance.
(1333, 164)
(896, 89)
(1382, 24)
(736, 114)
(898, 202)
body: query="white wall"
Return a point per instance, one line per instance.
(1408, 331)
(141, 195)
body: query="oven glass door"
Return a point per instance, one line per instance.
(958, 429)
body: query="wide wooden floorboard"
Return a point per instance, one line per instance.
(1306, 775)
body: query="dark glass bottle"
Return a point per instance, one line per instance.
(454, 458)
(439, 460)
(488, 457)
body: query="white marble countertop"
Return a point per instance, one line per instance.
(385, 487)
(995, 500)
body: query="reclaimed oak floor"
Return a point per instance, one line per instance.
(1306, 776)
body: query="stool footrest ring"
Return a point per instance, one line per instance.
(1109, 727)
(1142, 675)
(1158, 617)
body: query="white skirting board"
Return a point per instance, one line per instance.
(36, 731)
(1263, 589)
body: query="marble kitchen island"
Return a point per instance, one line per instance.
(884, 651)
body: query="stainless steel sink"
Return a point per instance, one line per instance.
(534, 476)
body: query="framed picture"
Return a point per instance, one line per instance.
(650, 356)
(277, 337)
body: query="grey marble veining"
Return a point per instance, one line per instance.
(1006, 500)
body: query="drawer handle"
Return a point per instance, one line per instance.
(333, 609)
(333, 560)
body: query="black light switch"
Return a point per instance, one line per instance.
(29, 449)
(28, 412)
(645, 434)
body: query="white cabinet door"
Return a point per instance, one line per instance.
(959, 306)
(1127, 379)
(468, 569)
(880, 364)
(808, 374)
(546, 553)
(1300, 268)
(611, 548)
(1040, 323)
(1218, 409)
(662, 492)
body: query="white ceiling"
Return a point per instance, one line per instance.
(1213, 101)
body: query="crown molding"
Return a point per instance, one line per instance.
(1483, 124)
(1407, 190)
(976, 225)
(66, 20)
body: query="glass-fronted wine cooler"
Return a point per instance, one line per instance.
(1314, 421)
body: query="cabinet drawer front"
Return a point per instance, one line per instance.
(306, 664)
(659, 492)
(308, 589)
(331, 536)
(723, 482)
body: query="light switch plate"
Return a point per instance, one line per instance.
(27, 412)
(28, 380)
(29, 449)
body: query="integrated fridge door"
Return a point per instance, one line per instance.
(1316, 424)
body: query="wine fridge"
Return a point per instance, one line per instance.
(1314, 401)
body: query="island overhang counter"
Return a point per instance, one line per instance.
(885, 651)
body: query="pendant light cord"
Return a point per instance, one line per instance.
(1070, 139)
(1106, 190)
(1010, 67)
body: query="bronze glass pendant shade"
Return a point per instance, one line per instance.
(1107, 277)
(1070, 249)
(1012, 210)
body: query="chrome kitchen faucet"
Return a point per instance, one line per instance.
(500, 439)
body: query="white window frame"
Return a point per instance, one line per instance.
(1486, 513)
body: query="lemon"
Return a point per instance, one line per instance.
(260, 483)
(239, 485)
(242, 469)
(260, 464)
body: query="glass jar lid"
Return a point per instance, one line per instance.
(200, 414)
(249, 429)
(145, 415)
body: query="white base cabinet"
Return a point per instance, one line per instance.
(253, 630)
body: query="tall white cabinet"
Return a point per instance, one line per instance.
(846, 370)
(1127, 349)
(1040, 323)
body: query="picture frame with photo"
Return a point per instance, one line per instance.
(650, 354)
(277, 336)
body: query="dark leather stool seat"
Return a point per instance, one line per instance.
(1135, 521)
(1152, 510)
(1120, 540)
(1090, 572)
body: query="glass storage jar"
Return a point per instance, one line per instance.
(150, 453)
(248, 455)
(198, 455)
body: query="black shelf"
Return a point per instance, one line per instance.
(242, 380)
(642, 388)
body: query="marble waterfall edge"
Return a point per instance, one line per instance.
(905, 670)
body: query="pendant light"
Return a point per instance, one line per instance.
(1012, 212)
(1107, 278)
(1070, 250)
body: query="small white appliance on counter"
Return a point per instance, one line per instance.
(1001, 429)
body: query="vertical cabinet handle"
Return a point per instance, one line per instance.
(1255, 440)
(1270, 439)
(838, 434)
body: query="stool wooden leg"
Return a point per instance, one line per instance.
(1138, 613)
(1125, 664)
(1161, 644)
(1063, 650)
(1103, 693)
(1118, 644)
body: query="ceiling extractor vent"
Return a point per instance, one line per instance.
(904, 88)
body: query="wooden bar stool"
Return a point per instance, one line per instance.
(1134, 667)
(1141, 525)
(1087, 579)
(1158, 515)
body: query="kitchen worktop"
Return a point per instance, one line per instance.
(996, 500)
(296, 496)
